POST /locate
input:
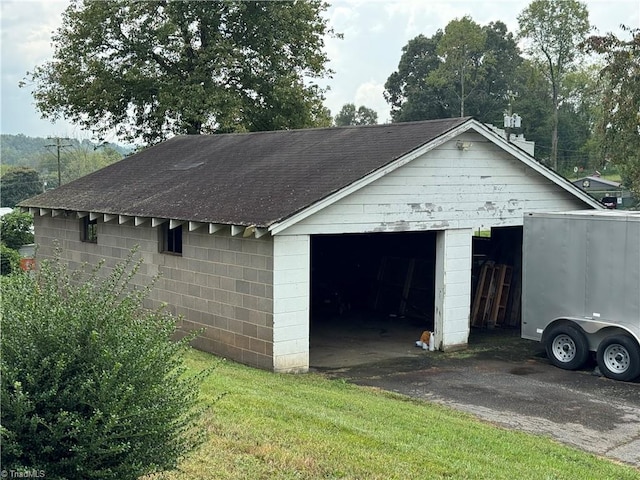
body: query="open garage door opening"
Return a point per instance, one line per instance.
(496, 280)
(372, 295)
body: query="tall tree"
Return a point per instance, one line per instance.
(154, 68)
(554, 28)
(620, 124)
(461, 49)
(466, 69)
(406, 89)
(18, 184)
(348, 115)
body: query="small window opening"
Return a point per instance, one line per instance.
(171, 239)
(89, 230)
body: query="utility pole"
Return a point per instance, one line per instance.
(59, 145)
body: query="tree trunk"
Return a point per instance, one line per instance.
(554, 132)
(194, 127)
(554, 141)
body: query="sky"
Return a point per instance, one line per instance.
(374, 33)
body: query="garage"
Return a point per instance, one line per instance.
(268, 242)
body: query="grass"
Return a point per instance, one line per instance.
(277, 426)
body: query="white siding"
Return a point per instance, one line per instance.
(444, 188)
(291, 281)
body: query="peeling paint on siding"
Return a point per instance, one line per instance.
(487, 207)
(425, 207)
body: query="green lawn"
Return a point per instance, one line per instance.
(276, 426)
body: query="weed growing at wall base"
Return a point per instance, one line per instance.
(92, 384)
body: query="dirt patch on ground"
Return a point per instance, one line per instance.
(506, 380)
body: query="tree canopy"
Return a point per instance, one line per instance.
(18, 184)
(554, 29)
(620, 123)
(15, 229)
(464, 70)
(349, 115)
(151, 69)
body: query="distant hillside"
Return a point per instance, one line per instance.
(55, 161)
(23, 150)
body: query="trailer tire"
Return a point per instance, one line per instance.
(619, 358)
(566, 347)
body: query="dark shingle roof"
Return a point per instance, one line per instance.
(241, 179)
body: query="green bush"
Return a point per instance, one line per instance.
(92, 384)
(9, 260)
(15, 229)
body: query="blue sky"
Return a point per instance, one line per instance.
(374, 33)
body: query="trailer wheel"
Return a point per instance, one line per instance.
(619, 358)
(567, 347)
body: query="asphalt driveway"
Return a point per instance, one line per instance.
(509, 382)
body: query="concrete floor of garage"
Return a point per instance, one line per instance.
(360, 338)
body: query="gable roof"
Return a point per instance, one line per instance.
(240, 179)
(260, 179)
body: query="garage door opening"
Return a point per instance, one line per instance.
(496, 279)
(372, 295)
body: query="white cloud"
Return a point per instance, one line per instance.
(370, 94)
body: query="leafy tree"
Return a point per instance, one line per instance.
(15, 229)
(92, 384)
(149, 69)
(620, 123)
(86, 159)
(348, 115)
(554, 29)
(406, 90)
(579, 112)
(461, 49)
(465, 69)
(534, 105)
(19, 184)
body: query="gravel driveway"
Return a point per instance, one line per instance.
(509, 382)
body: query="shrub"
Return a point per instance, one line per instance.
(15, 229)
(9, 260)
(92, 384)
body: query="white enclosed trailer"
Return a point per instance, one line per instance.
(581, 288)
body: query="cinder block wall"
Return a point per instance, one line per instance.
(221, 283)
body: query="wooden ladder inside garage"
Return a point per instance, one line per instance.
(492, 295)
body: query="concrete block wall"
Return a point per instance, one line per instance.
(221, 283)
(291, 281)
(453, 287)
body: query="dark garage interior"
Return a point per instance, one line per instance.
(372, 295)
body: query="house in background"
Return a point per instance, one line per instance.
(611, 194)
(239, 225)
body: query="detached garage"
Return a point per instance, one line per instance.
(254, 234)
